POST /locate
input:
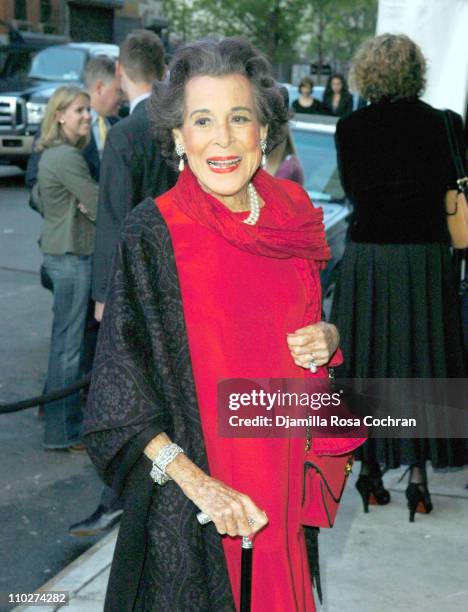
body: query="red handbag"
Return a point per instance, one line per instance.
(324, 482)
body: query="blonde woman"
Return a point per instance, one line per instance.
(67, 197)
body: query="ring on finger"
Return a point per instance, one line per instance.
(203, 518)
(312, 366)
(250, 521)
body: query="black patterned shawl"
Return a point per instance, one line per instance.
(142, 384)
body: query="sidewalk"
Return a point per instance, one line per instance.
(369, 563)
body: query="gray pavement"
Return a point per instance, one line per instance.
(377, 562)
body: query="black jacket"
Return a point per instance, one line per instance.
(317, 108)
(132, 168)
(142, 384)
(395, 166)
(345, 107)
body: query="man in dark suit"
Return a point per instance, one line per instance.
(132, 169)
(132, 165)
(103, 85)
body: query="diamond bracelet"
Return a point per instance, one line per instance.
(167, 454)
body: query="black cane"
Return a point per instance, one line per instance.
(246, 566)
(246, 574)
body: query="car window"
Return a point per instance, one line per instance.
(16, 63)
(317, 154)
(3, 59)
(58, 64)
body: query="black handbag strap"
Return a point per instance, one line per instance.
(454, 149)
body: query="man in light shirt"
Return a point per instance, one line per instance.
(103, 85)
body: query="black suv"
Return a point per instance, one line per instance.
(23, 99)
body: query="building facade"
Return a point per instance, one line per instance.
(80, 20)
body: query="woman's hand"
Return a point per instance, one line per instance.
(84, 211)
(232, 512)
(315, 342)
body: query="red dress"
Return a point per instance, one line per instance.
(238, 307)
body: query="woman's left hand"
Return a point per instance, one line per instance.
(315, 342)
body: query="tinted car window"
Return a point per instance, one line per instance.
(3, 61)
(317, 153)
(58, 64)
(15, 63)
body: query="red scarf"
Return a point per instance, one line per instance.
(298, 229)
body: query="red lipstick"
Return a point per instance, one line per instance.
(224, 164)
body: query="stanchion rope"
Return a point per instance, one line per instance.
(47, 397)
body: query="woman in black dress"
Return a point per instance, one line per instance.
(395, 304)
(306, 104)
(337, 99)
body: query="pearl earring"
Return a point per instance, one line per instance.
(180, 152)
(263, 146)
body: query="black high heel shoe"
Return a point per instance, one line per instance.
(372, 491)
(419, 499)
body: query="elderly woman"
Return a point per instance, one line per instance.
(218, 278)
(395, 304)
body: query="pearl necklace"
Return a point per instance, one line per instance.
(254, 205)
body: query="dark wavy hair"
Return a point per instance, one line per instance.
(306, 81)
(328, 93)
(211, 58)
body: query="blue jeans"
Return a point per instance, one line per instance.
(71, 278)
